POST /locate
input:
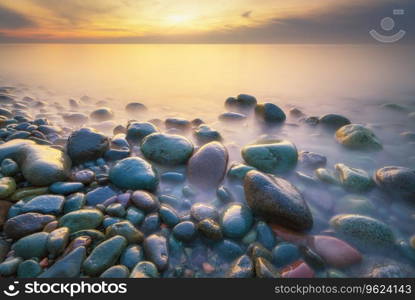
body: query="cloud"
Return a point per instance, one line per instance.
(247, 14)
(10, 19)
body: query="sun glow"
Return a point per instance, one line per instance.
(178, 19)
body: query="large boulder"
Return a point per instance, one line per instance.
(277, 200)
(86, 144)
(207, 166)
(40, 164)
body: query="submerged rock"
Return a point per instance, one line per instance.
(134, 173)
(102, 114)
(86, 144)
(277, 200)
(397, 181)
(271, 156)
(358, 137)
(41, 165)
(204, 134)
(207, 167)
(270, 113)
(231, 116)
(334, 121)
(311, 160)
(241, 102)
(136, 131)
(352, 179)
(135, 107)
(167, 149)
(236, 220)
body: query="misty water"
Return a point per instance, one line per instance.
(193, 81)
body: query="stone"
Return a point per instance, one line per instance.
(326, 176)
(134, 173)
(178, 123)
(299, 269)
(238, 171)
(311, 160)
(82, 219)
(270, 113)
(241, 268)
(354, 204)
(86, 144)
(4, 211)
(131, 256)
(135, 107)
(99, 195)
(271, 156)
(45, 204)
(363, 232)
(205, 134)
(397, 181)
(66, 188)
(28, 192)
(137, 131)
(57, 241)
(25, 224)
(33, 245)
(277, 200)
(167, 149)
(200, 211)
(104, 255)
(156, 250)
(172, 177)
(206, 168)
(145, 269)
(231, 117)
(236, 220)
(9, 267)
(125, 229)
(41, 165)
(241, 102)
(354, 180)
(116, 210)
(74, 202)
(76, 119)
(185, 231)
(265, 235)
(29, 269)
(145, 201)
(210, 229)
(102, 114)
(117, 271)
(284, 254)
(168, 215)
(151, 223)
(358, 137)
(9, 167)
(334, 121)
(84, 176)
(135, 216)
(228, 249)
(335, 252)
(264, 269)
(67, 267)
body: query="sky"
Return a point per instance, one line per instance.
(201, 21)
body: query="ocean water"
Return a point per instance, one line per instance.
(193, 81)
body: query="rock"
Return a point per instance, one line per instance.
(134, 173)
(256, 250)
(102, 114)
(204, 134)
(99, 195)
(167, 149)
(155, 248)
(270, 113)
(241, 268)
(135, 216)
(394, 106)
(137, 131)
(238, 171)
(104, 255)
(82, 219)
(74, 202)
(4, 249)
(25, 224)
(265, 235)
(228, 249)
(177, 123)
(335, 252)
(271, 156)
(296, 112)
(173, 177)
(354, 204)
(57, 241)
(200, 211)
(277, 200)
(185, 231)
(353, 180)
(41, 165)
(236, 220)
(241, 102)
(151, 223)
(397, 181)
(7, 187)
(45, 204)
(326, 176)
(358, 137)
(29, 269)
(116, 210)
(311, 160)
(145, 269)
(77, 119)
(67, 267)
(9, 167)
(299, 269)
(168, 215)
(86, 144)
(407, 135)
(117, 271)
(33, 245)
(9, 267)
(135, 107)
(66, 188)
(131, 256)
(145, 201)
(125, 229)
(264, 269)
(231, 117)
(333, 121)
(210, 229)
(207, 167)
(284, 254)
(363, 232)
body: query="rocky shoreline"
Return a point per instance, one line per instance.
(149, 201)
